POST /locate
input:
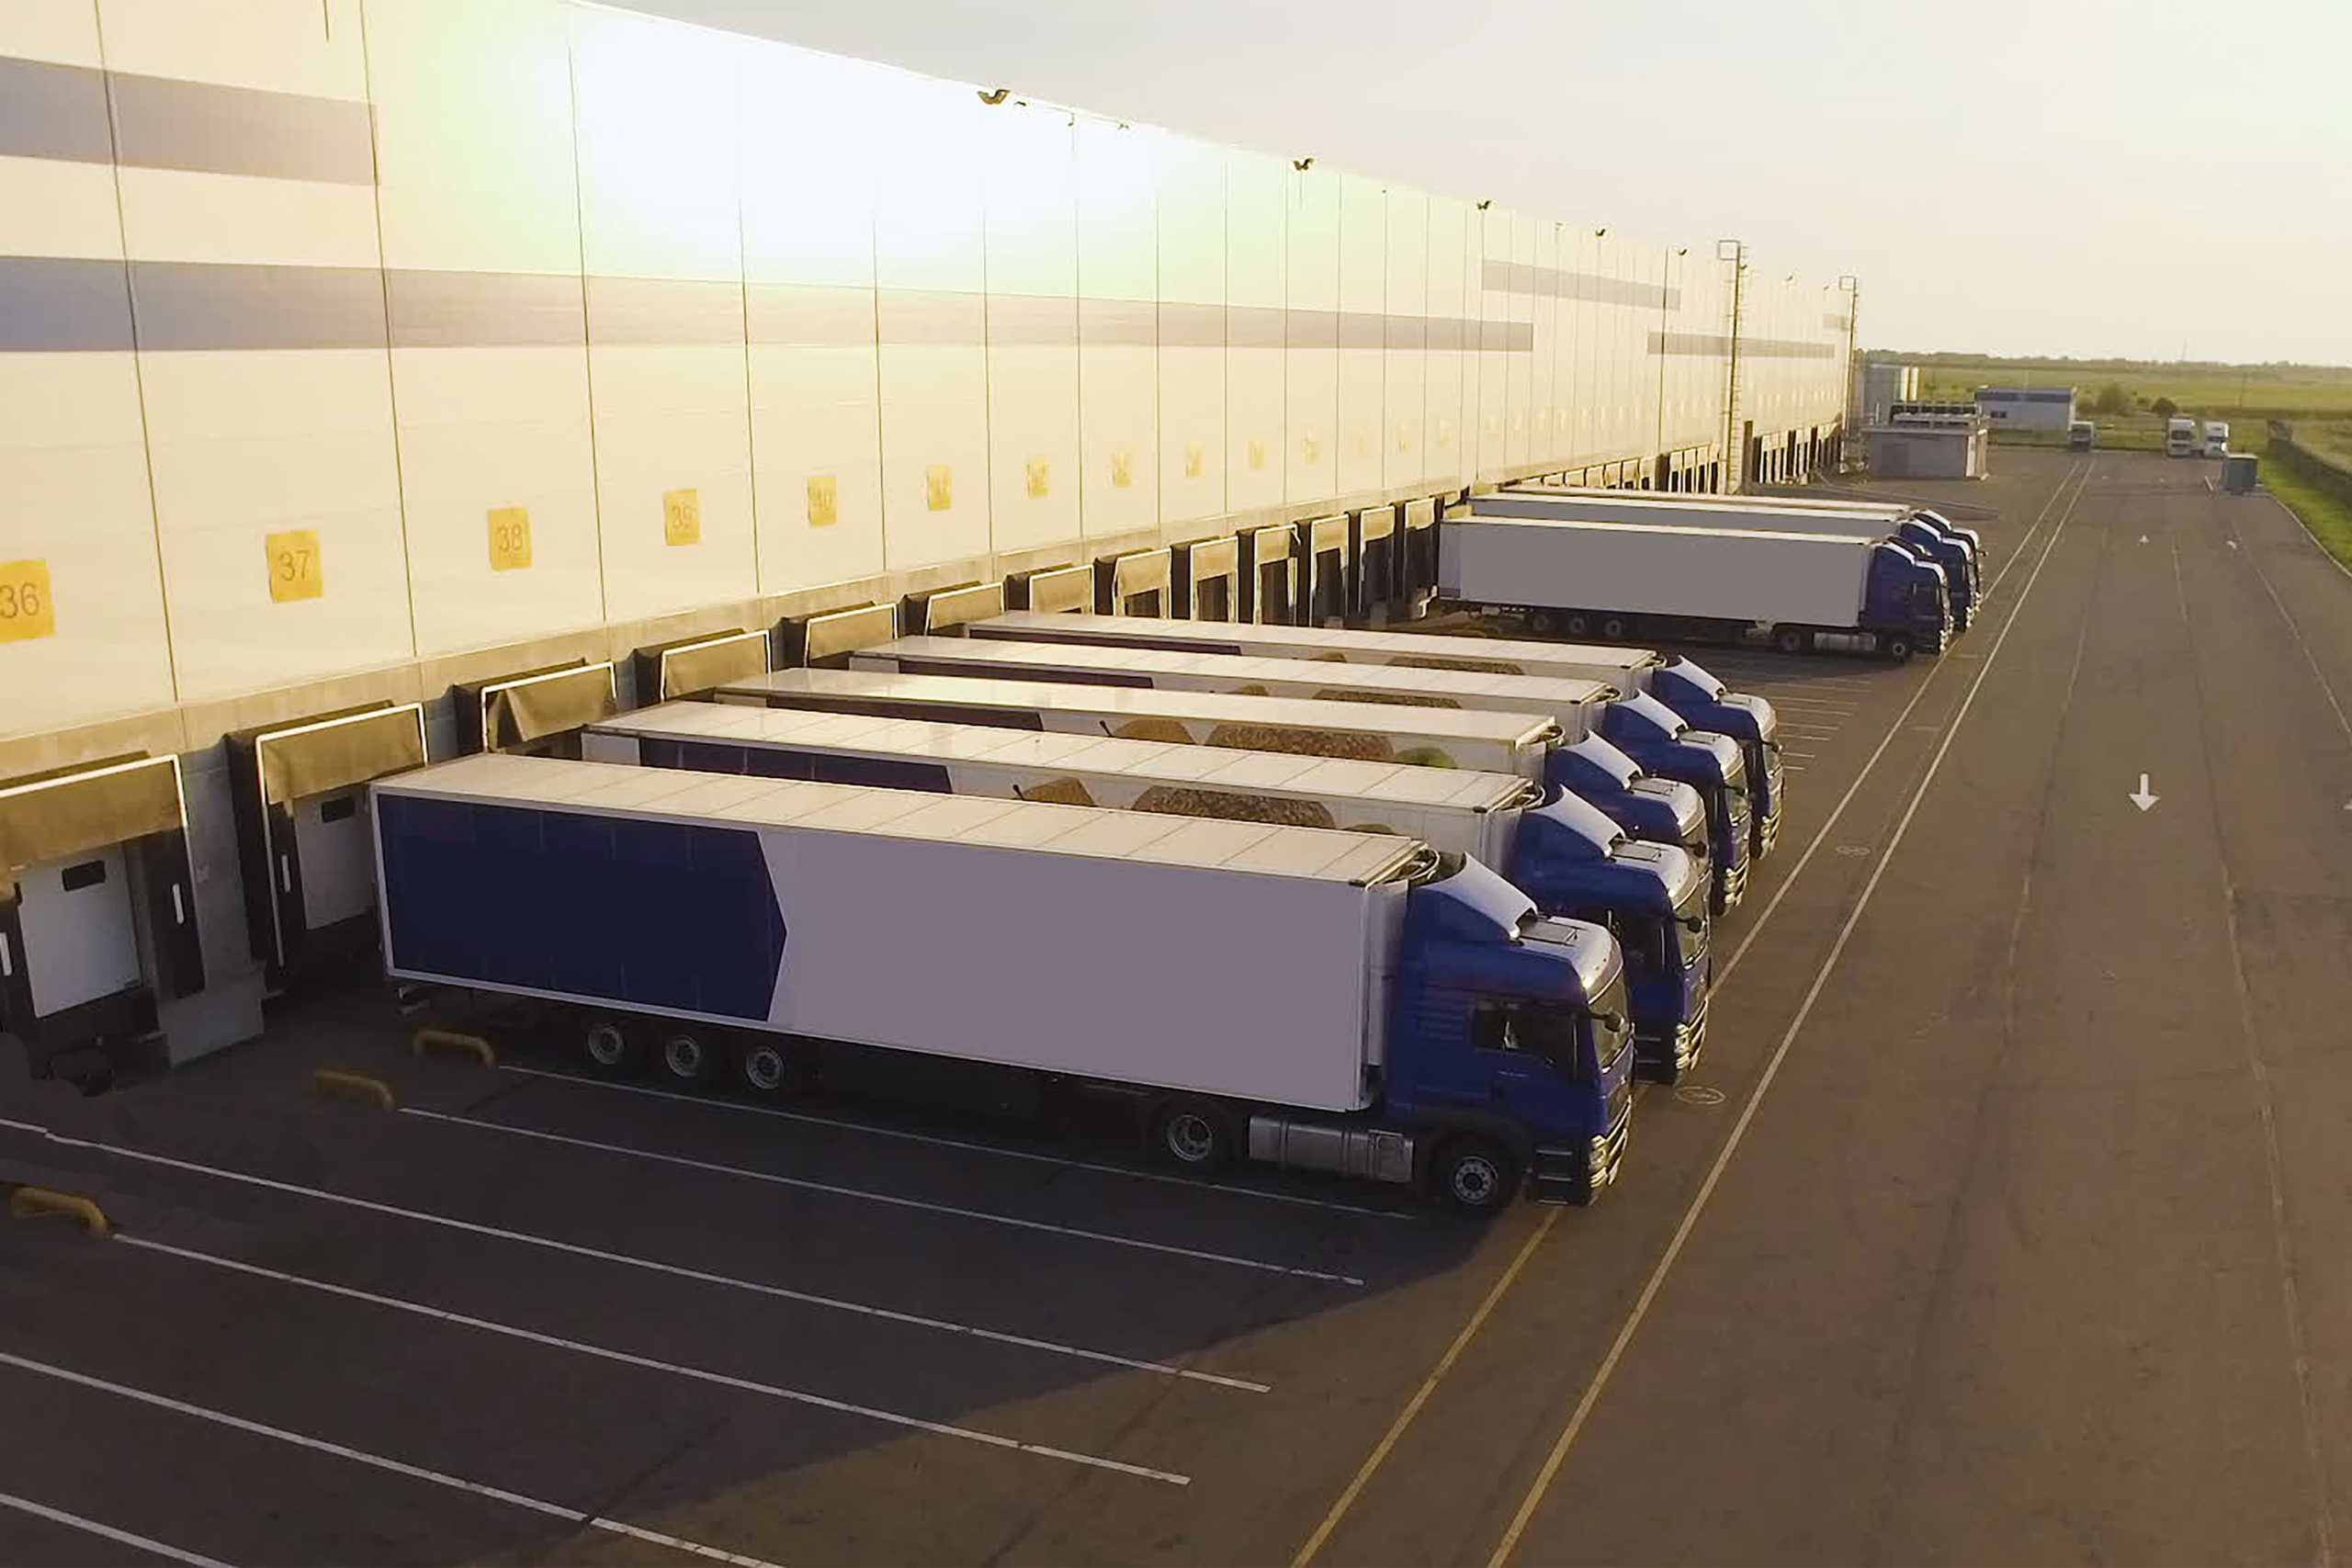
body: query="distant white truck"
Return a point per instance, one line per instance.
(2217, 438)
(2180, 437)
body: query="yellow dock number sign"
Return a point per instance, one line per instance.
(295, 569)
(510, 538)
(681, 517)
(26, 611)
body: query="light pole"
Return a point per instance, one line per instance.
(1735, 457)
(1851, 288)
(1665, 345)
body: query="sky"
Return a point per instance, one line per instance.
(2150, 179)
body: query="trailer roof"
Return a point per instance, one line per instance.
(1145, 702)
(1553, 693)
(1285, 773)
(1855, 540)
(1707, 500)
(1128, 630)
(1317, 854)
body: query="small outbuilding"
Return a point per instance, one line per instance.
(1948, 451)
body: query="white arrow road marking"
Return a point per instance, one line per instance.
(2141, 798)
(2233, 544)
(2143, 538)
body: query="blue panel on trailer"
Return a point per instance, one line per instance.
(658, 915)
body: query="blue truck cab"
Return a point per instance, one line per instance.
(1905, 605)
(1574, 862)
(1954, 556)
(1690, 691)
(1510, 1035)
(1654, 810)
(1657, 738)
(1943, 525)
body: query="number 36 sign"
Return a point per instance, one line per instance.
(26, 609)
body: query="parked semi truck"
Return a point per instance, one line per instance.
(1956, 554)
(1709, 762)
(1339, 1001)
(1655, 810)
(1802, 592)
(1556, 849)
(1857, 503)
(1681, 683)
(2180, 437)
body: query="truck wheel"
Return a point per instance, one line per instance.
(765, 1067)
(1792, 641)
(691, 1058)
(1475, 1175)
(1612, 627)
(1192, 1136)
(1898, 649)
(613, 1049)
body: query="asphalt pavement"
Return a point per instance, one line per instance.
(2007, 1219)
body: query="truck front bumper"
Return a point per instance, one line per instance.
(1664, 1058)
(1731, 886)
(1580, 1175)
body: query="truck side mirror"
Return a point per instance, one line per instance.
(1694, 923)
(1609, 1021)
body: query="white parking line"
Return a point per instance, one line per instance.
(107, 1532)
(675, 1270)
(1190, 1183)
(414, 1473)
(676, 1368)
(745, 1173)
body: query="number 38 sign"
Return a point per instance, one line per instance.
(26, 609)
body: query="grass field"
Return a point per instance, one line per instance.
(2202, 392)
(2328, 517)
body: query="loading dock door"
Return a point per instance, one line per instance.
(332, 841)
(81, 937)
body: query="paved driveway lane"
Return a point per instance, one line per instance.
(1967, 1300)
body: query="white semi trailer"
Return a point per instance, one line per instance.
(1802, 592)
(1340, 1001)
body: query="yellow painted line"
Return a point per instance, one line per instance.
(427, 1041)
(334, 1082)
(25, 1203)
(1422, 1396)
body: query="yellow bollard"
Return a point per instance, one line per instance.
(334, 1082)
(430, 1039)
(27, 1201)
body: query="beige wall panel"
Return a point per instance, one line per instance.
(1404, 300)
(1029, 201)
(926, 141)
(246, 444)
(1118, 419)
(1445, 443)
(1543, 445)
(63, 32)
(51, 209)
(935, 417)
(1191, 434)
(485, 428)
(1517, 366)
(281, 46)
(171, 214)
(73, 496)
(1257, 206)
(1312, 377)
(1487, 373)
(671, 419)
(1035, 487)
(654, 111)
(815, 419)
(1191, 416)
(1363, 284)
(808, 211)
(474, 150)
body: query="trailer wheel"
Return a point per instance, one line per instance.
(765, 1067)
(1193, 1137)
(613, 1049)
(1898, 649)
(1475, 1175)
(691, 1058)
(1579, 625)
(1612, 627)
(1542, 623)
(1790, 640)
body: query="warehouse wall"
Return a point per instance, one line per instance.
(352, 348)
